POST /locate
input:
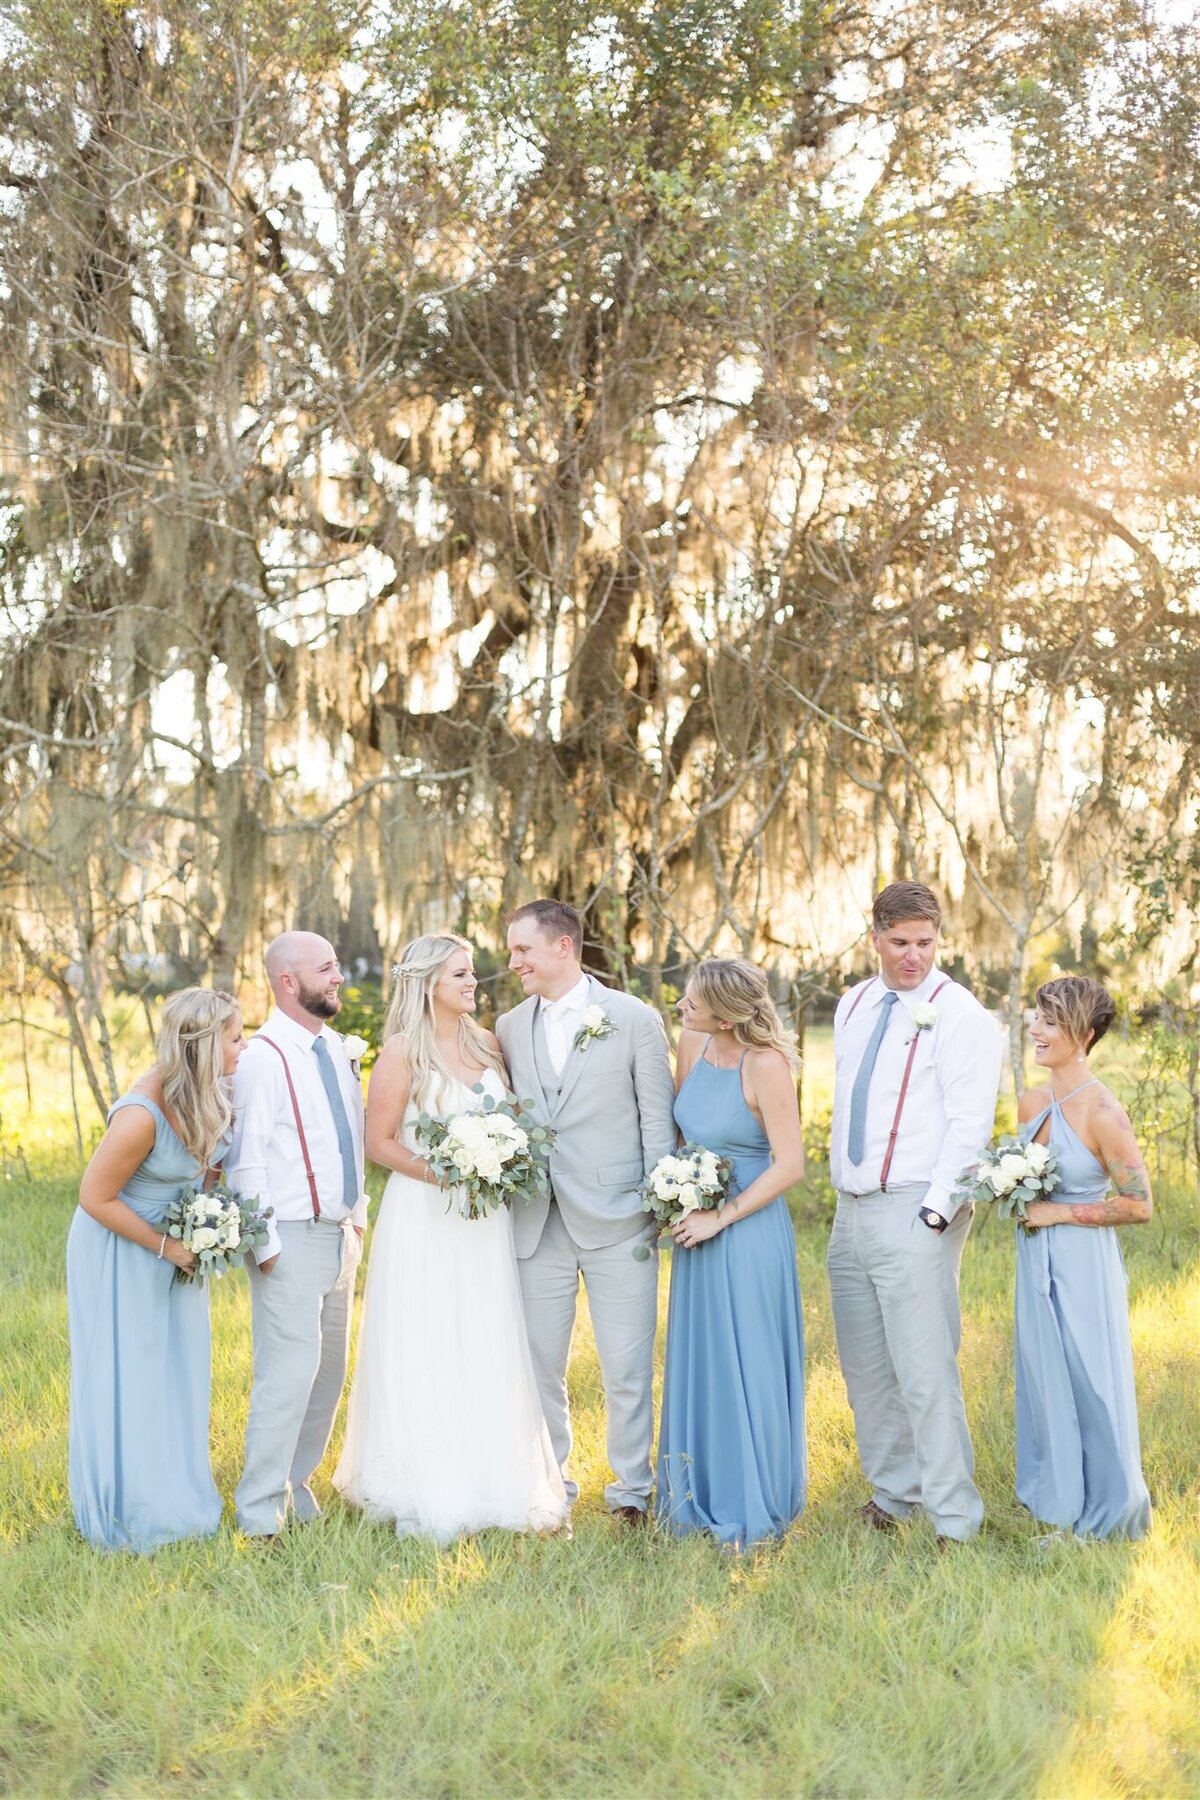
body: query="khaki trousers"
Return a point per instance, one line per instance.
(301, 1319)
(894, 1285)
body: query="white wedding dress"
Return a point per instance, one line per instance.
(445, 1433)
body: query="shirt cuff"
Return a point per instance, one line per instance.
(358, 1216)
(272, 1247)
(940, 1201)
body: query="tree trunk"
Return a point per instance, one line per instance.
(1016, 1008)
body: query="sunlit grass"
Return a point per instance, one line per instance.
(837, 1665)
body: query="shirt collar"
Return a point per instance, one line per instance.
(297, 1036)
(572, 1001)
(909, 997)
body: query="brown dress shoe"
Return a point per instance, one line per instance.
(633, 1516)
(876, 1517)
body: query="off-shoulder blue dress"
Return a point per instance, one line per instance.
(1078, 1456)
(731, 1452)
(141, 1368)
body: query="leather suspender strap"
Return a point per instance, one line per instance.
(860, 995)
(894, 1132)
(291, 1087)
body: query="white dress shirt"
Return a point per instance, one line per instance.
(562, 1019)
(266, 1158)
(950, 1105)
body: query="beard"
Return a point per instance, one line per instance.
(318, 1003)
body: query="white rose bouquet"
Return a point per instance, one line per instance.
(218, 1227)
(1011, 1174)
(490, 1157)
(692, 1180)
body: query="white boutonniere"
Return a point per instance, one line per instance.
(596, 1026)
(356, 1048)
(924, 1017)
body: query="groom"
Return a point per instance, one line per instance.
(595, 1064)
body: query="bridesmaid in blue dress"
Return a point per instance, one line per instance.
(1078, 1456)
(731, 1453)
(138, 1461)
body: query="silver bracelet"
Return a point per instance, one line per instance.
(162, 1246)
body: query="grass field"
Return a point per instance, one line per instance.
(838, 1664)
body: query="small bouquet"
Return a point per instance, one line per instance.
(1012, 1174)
(490, 1157)
(692, 1180)
(218, 1227)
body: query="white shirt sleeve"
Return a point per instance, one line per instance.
(969, 1060)
(255, 1104)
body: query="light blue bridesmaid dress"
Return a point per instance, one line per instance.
(141, 1368)
(731, 1452)
(1078, 1456)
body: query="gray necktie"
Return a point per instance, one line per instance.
(341, 1123)
(856, 1148)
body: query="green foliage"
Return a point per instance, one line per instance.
(838, 1663)
(363, 1011)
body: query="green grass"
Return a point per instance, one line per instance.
(839, 1664)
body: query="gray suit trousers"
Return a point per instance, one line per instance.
(623, 1300)
(894, 1285)
(301, 1319)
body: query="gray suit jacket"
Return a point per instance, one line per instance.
(613, 1116)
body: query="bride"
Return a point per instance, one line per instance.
(445, 1433)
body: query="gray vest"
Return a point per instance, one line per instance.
(550, 1079)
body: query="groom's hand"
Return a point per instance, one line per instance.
(264, 1268)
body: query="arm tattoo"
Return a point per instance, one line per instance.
(1132, 1182)
(1128, 1206)
(1102, 1212)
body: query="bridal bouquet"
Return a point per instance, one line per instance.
(692, 1180)
(217, 1227)
(490, 1157)
(1011, 1174)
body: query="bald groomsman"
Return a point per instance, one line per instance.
(917, 1071)
(298, 1145)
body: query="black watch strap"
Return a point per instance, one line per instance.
(934, 1220)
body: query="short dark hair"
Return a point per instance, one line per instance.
(554, 918)
(902, 900)
(1079, 1006)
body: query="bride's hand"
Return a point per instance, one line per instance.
(696, 1228)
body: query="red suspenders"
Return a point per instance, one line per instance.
(912, 1052)
(308, 1168)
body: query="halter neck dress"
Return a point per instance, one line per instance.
(141, 1368)
(731, 1452)
(1078, 1455)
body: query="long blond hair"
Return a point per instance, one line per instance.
(191, 1065)
(736, 992)
(411, 1013)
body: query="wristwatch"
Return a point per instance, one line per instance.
(934, 1220)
